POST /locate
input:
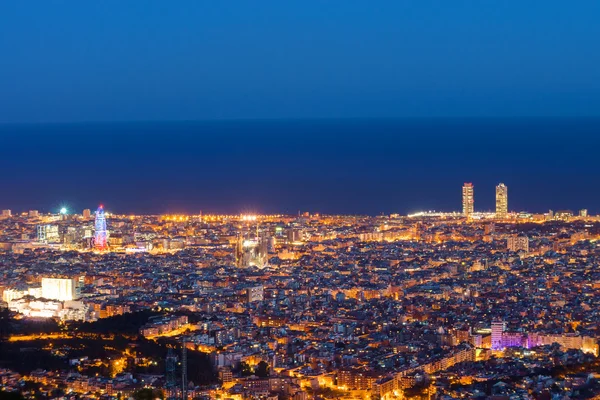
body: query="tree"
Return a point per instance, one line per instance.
(262, 369)
(10, 395)
(4, 324)
(148, 394)
(245, 369)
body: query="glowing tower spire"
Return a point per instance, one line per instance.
(100, 235)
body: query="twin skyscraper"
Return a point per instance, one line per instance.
(468, 200)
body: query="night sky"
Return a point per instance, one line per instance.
(154, 60)
(331, 106)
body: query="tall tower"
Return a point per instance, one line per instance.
(501, 201)
(468, 200)
(100, 234)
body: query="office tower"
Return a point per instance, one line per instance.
(468, 200)
(100, 234)
(6, 213)
(87, 213)
(497, 332)
(501, 201)
(33, 214)
(61, 289)
(583, 213)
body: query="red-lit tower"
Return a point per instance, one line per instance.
(100, 234)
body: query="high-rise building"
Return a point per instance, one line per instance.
(497, 332)
(6, 213)
(87, 213)
(501, 201)
(468, 200)
(100, 233)
(34, 213)
(61, 289)
(583, 213)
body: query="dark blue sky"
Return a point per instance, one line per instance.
(155, 60)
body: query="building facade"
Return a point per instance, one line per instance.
(518, 243)
(468, 200)
(60, 289)
(501, 201)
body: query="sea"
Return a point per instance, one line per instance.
(350, 166)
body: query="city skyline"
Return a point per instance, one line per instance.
(467, 201)
(316, 200)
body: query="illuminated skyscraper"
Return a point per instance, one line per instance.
(100, 234)
(498, 328)
(87, 213)
(468, 200)
(501, 201)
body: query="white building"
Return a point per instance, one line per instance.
(35, 308)
(74, 311)
(13, 294)
(61, 289)
(42, 308)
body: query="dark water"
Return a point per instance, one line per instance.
(331, 166)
